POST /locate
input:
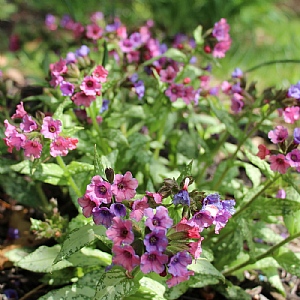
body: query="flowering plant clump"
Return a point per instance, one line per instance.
(121, 119)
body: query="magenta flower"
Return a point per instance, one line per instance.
(9, 129)
(14, 139)
(293, 158)
(51, 128)
(59, 67)
(126, 45)
(28, 124)
(138, 208)
(291, 114)
(20, 112)
(32, 148)
(159, 220)
(120, 231)
(81, 98)
(168, 75)
(156, 197)
(279, 163)
(87, 205)
(237, 103)
(221, 30)
(56, 80)
(94, 32)
(102, 216)
(99, 190)
(125, 257)
(195, 248)
(221, 48)
(278, 135)
(263, 151)
(177, 279)
(136, 39)
(156, 240)
(202, 219)
(178, 263)
(124, 187)
(174, 91)
(153, 261)
(67, 88)
(90, 86)
(100, 74)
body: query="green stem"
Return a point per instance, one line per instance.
(42, 196)
(272, 62)
(261, 256)
(70, 179)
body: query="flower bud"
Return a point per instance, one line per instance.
(110, 175)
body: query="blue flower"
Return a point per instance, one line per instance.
(182, 197)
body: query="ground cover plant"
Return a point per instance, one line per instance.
(174, 177)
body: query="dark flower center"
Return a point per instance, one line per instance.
(124, 232)
(89, 83)
(155, 222)
(127, 254)
(102, 190)
(153, 240)
(121, 186)
(294, 157)
(52, 128)
(105, 213)
(280, 161)
(152, 257)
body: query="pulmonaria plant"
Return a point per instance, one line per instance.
(142, 230)
(32, 134)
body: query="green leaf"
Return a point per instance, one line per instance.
(252, 172)
(261, 164)
(42, 260)
(22, 167)
(289, 261)
(105, 54)
(76, 167)
(60, 109)
(176, 291)
(50, 173)
(292, 222)
(185, 171)
(114, 285)
(175, 54)
(231, 291)
(77, 239)
(198, 36)
(274, 279)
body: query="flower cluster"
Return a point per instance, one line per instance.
(142, 230)
(31, 132)
(66, 73)
(288, 154)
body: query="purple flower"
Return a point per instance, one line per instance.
(139, 88)
(102, 216)
(236, 88)
(293, 158)
(134, 77)
(159, 220)
(278, 135)
(237, 73)
(67, 88)
(11, 294)
(174, 91)
(213, 199)
(136, 39)
(294, 91)
(156, 240)
(28, 124)
(168, 75)
(153, 261)
(202, 219)
(82, 51)
(13, 233)
(228, 205)
(281, 194)
(70, 58)
(221, 219)
(297, 135)
(118, 209)
(178, 263)
(104, 107)
(182, 197)
(237, 103)
(50, 22)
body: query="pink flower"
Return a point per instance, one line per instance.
(20, 112)
(120, 231)
(15, 140)
(99, 190)
(177, 279)
(278, 135)
(195, 248)
(221, 30)
(90, 86)
(51, 128)
(100, 74)
(138, 208)
(59, 67)
(221, 48)
(237, 103)
(94, 32)
(67, 88)
(59, 147)
(226, 87)
(291, 114)
(56, 80)
(174, 91)
(87, 205)
(32, 148)
(81, 98)
(279, 163)
(124, 187)
(126, 45)
(263, 151)
(28, 124)
(125, 257)
(9, 129)
(168, 75)
(281, 194)
(153, 261)
(156, 196)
